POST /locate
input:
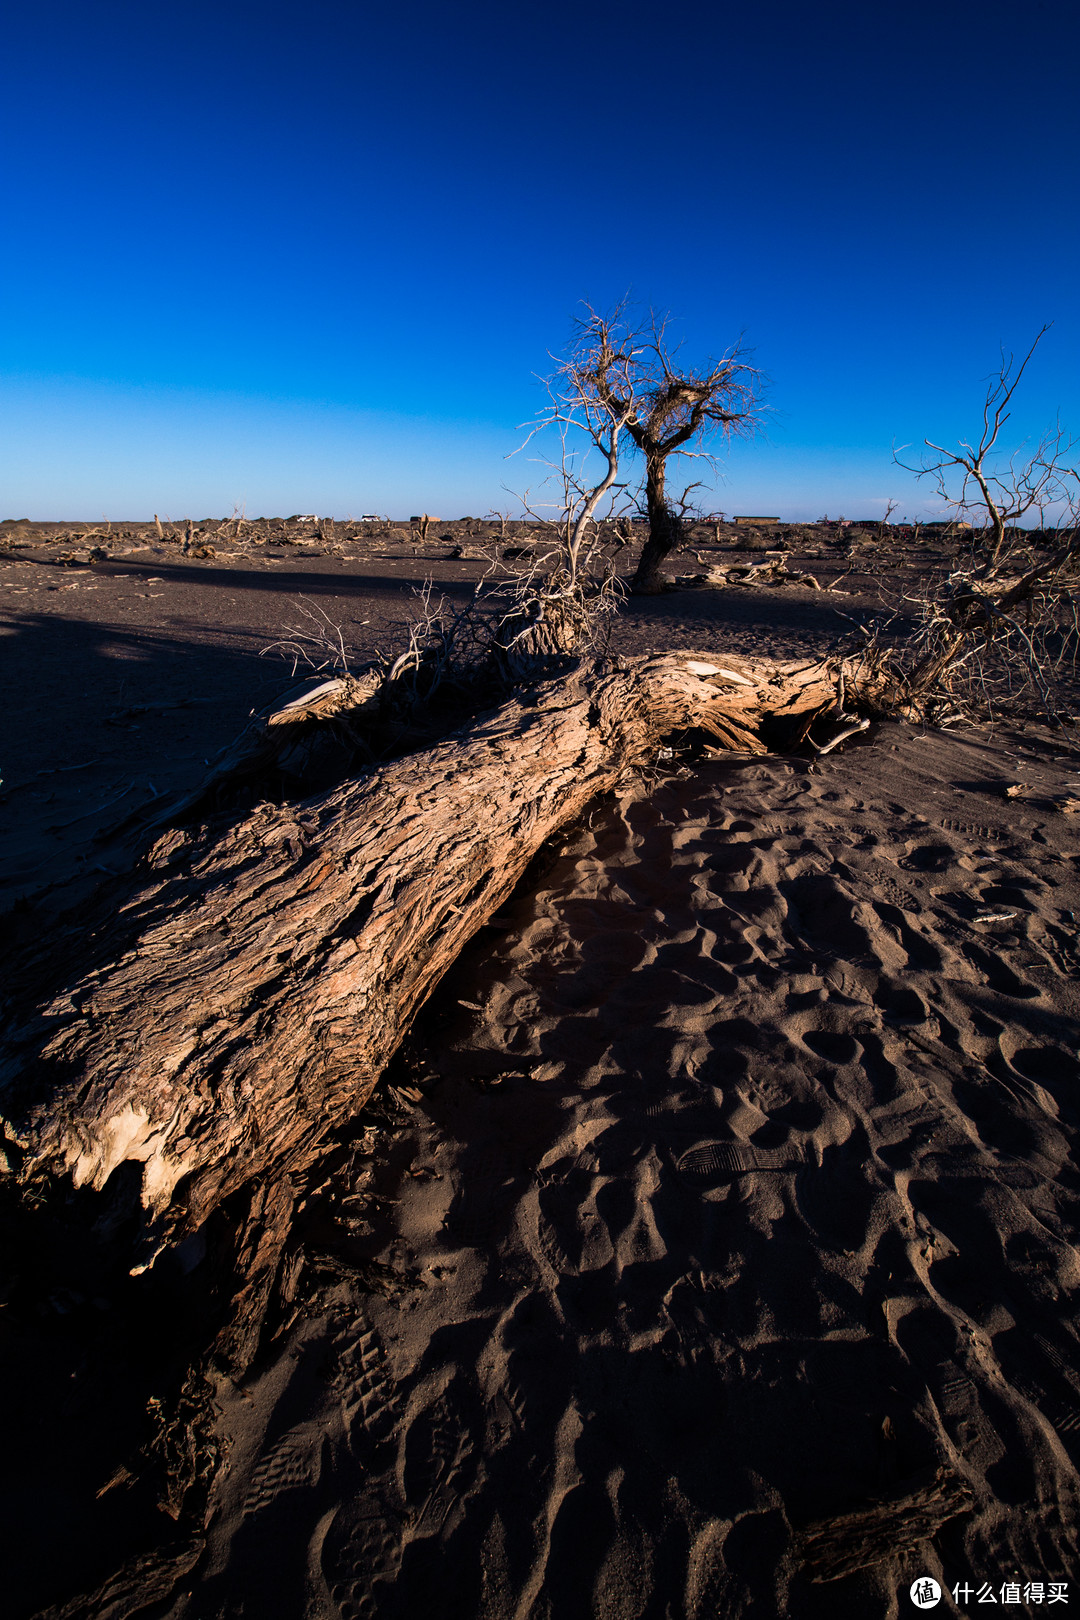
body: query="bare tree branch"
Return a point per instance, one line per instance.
(622, 377)
(973, 479)
(1011, 605)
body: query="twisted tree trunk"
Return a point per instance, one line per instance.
(666, 530)
(239, 1004)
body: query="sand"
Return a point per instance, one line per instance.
(717, 1230)
(739, 1194)
(122, 674)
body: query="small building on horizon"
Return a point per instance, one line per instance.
(753, 520)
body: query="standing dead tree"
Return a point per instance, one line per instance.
(563, 594)
(883, 524)
(1012, 595)
(715, 520)
(503, 519)
(631, 373)
(976, 479)
(587, 420)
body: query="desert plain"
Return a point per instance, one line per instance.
(709, 1249)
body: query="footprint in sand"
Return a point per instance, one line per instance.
(834, 1046)
(711, 1162)
(998, 974)
(929, 858)
(361, 1554)
(1054, 1389)
(368, 1395)
(295, 1464)
(895, 894)
(1063, 1417)
(962, 1417)
(438, 1455)
(973, 829)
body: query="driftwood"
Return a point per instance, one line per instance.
(773, 571)
(239, 1003)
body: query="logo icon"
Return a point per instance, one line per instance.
(925, 1593)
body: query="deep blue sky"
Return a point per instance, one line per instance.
(309, 257)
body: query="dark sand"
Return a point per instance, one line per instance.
(729, 1182)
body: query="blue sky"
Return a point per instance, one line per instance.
(311, 257)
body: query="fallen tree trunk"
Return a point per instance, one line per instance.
(241, 1002)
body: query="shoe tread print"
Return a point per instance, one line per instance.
(717, 1161)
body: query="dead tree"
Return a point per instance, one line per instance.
(566, 592)
(1014, 592)
(587, 424)
(976, 478)
(715, 519)
(210, 1027)
(633, 374)
(883, 526)
(502, 518)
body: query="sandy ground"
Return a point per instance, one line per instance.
(741, 1191)
(123, 676)
(728, 1185)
